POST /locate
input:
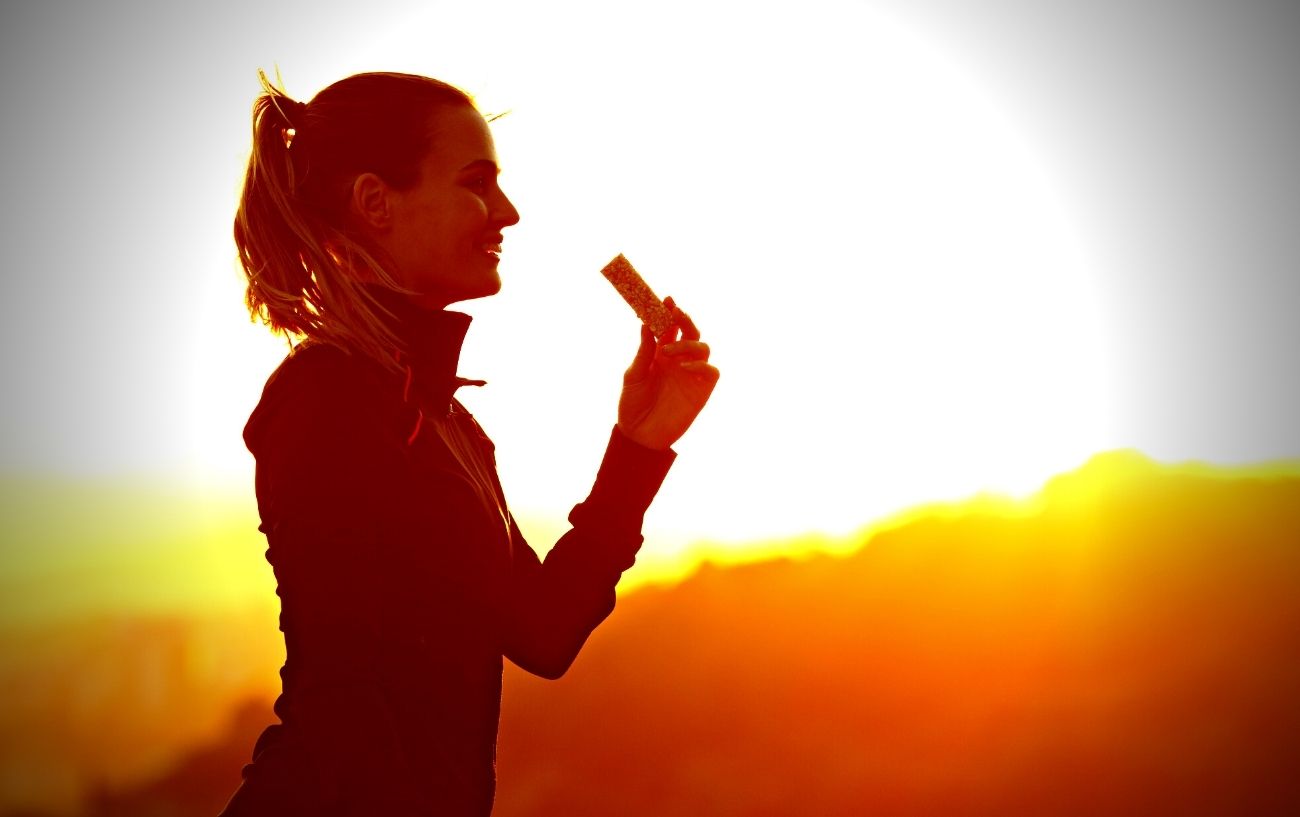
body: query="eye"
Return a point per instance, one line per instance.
(478, 184)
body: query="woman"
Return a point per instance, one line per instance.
(402, 577)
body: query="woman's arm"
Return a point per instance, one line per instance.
(554, 605)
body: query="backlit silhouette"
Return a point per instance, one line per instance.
(403, 578)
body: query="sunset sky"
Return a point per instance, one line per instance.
(938, 247)
(941, 249)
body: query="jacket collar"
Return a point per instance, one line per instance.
(432, 343)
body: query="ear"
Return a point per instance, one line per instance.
(370, 202)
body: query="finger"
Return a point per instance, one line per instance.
(687, 349)
(703, 374)
(645, 355)
(670, 335)
(689, 332)
(700, 367)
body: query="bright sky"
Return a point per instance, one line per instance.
(929, 256)
(861, 269)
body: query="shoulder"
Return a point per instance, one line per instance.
(322, 369)
(319, 391)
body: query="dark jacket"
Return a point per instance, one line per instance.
(403, 580)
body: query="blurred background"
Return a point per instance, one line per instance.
(994, 508)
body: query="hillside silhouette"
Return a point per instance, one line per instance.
(1127, 643)
(1132, 647)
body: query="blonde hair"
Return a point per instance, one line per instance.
(311, 274)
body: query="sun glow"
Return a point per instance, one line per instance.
(880, 259)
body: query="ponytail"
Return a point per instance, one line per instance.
(310, 275)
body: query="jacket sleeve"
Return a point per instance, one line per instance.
(555, 604)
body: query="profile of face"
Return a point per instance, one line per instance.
(443, 235)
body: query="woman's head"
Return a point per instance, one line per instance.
(381, 179)
(442, 235)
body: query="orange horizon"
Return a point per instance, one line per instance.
(158, 682)
(202, 551)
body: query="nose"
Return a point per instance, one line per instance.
(504, 212)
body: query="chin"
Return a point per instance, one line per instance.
(490, 288)
(486, 289)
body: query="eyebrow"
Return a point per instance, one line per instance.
(482, 164)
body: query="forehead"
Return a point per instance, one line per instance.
(458, 136)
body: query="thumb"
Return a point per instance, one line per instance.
(645, 355)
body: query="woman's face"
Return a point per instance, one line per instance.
(444, 234)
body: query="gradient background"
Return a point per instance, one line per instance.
(1165, 129)
(940, 248)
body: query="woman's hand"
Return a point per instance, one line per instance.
(667, 384)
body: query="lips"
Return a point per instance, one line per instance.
(492, 246)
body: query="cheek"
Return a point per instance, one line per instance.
(453, 226)
(472, 221)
